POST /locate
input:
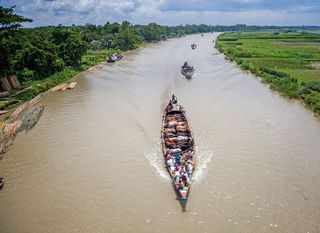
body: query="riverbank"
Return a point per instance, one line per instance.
(33, 88)
(287, 61)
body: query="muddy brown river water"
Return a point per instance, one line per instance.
(94, 164)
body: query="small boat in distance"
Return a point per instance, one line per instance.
(187, 70)
(193, 46)
(178, 147)
(114, 57)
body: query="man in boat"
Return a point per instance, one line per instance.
(185, 65)
(174, 98)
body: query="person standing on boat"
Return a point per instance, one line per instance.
(185, 65)
(174, 99)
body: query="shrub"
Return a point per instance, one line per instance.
(312, 99)
(275, 72)
(313, 85)
(303, 91)
(26, 75)
(316, 107)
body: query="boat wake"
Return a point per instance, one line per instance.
(203, 156)
(155, 158)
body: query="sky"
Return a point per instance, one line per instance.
(169, 12)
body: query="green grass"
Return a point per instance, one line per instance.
(287, 61)
(303, 75)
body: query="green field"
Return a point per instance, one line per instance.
(288, 61)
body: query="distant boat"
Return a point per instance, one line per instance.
(202, 35)
(187, 70)
(178, 147)
(193, 46)
(114, 57)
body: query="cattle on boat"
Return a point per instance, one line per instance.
(178, 147)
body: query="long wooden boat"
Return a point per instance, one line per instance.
(178, 147)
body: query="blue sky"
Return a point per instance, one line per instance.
(169, 12)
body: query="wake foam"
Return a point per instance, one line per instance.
(203, 155)
(155, 158)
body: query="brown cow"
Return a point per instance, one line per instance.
(182, 123)
(173, 139)
(170, 143)
(182, 128)
(169, 130)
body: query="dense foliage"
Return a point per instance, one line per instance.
(288, 61)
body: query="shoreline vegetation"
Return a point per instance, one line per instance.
(288, 61)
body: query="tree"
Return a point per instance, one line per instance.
(127, 38)
(9, 21)
(38, 55)
(152, 32)
(70, 46)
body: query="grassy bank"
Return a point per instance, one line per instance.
(288, 61)
(35, 87)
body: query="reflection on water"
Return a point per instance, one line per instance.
(93, 163)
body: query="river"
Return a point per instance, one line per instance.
(93, 163)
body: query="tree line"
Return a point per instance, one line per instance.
(36, 53)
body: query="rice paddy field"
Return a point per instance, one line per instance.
(288, 61)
